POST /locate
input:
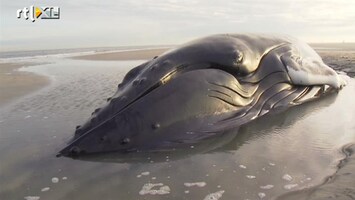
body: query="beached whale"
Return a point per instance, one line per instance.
(201, 89)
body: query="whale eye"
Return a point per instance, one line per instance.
(238, 57)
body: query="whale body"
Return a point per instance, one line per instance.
(202, 88)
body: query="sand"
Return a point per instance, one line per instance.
(340, 60)
(15, 84)
(124, 55)
(302, 143)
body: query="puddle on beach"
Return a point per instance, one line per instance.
(267, 158)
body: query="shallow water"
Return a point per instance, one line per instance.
(298, 149)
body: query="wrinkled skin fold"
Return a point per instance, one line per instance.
(201, 89)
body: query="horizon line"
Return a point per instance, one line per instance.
(156, 45)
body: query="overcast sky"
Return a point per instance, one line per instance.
(100, 23)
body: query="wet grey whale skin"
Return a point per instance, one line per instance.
(201, 89)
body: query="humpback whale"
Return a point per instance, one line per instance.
(201, 89)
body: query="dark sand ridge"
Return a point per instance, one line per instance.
(15, 84)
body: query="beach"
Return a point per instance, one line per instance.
(15, 84)
(341, 61)
(301, 153)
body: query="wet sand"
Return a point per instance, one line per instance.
(125, 55)
(338, 186)
(15, 84)
(291, 153)
(340, 60)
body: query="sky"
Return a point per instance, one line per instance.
(108, 23)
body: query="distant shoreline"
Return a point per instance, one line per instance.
(130, 52)
(143, 54)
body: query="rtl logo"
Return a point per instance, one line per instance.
(33, 13)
